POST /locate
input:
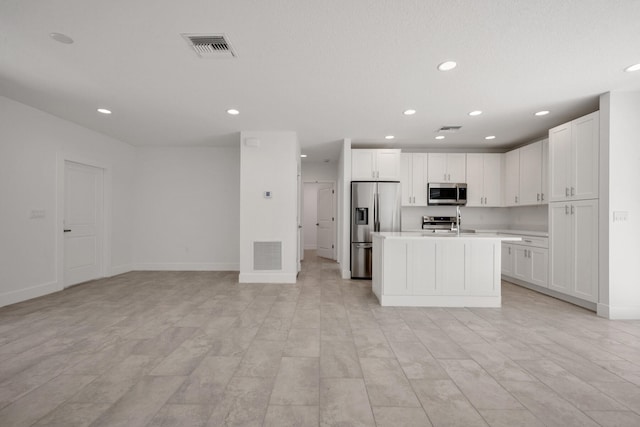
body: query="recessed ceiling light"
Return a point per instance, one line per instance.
(440, 137)
(409, 112)
(62, 38)
(447, 65)
(303, 155)
(389, 137)
(475, 113)
(233, 112)
(542, 113)
(104, 111)
(631, 68)
(490, 137)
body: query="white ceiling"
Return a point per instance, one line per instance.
(329, 69)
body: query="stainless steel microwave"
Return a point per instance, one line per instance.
(446, 193)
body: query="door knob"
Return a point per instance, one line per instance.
(67, 230)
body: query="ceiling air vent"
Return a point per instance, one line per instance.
(449, 129)
(210, 45)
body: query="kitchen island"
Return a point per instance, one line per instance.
(424, 269)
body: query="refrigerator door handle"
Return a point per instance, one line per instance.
(376, 213)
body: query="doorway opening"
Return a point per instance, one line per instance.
(319, 218)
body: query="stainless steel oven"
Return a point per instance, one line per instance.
(446, 193)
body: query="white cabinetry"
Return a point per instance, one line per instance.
(413, 179)
(573, 229)
(512, 177)
(484, 179)
(375, 165)
(439, 272)
(573, 159)
(525, 170)
(447, 167)
(527, 260)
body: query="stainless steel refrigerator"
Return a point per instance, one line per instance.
(375, 206)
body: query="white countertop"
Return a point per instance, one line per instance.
(501, 231)
(445, 236)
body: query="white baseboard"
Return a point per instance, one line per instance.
(267, 278)
(186, 266)
(19, 295)
(120, 269)
(618, 312)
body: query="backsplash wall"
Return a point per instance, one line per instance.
(534, 218)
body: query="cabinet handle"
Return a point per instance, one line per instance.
(516, 199)
(538, 197)
(571, 209)
(566, 191)
(528, 241)
(542, 197)
(573, 191)
(509, 250)
(566, 210)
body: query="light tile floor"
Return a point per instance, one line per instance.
(199, 349)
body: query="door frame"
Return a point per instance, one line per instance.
(335, 212)
(105, 227)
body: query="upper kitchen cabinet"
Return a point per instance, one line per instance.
(413, 180)
(525, 170)
(573, 159)
(375, 165)
(447, 167)
(512, 177)
(484, 179)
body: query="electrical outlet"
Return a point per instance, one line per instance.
(36, 214)
(620, 216)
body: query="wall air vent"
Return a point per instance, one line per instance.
(267, 255)
(449, 129)
(210, 45)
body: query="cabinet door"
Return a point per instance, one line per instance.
(493, 179)
(544, 198)
(406, 175)
(585, 144)
(394, 271)
(530, 174)
(539, 266)
(560, 247)
(388, 165)
(584, 215)
(437, 167)
(457, 167)
(521, 263)
(507, 259)
(475, 179)
(559, 162)
(512, 177)
(362, 165)
(423, 274)
(419, 178)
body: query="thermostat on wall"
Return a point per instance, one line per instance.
(267, 194)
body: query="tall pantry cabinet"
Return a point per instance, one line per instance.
(573, 207)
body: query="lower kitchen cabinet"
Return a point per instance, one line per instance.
(437, 271)
(573, 234)
(527, 261)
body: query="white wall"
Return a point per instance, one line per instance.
(319, 171)
(344, 209)
(272, 166)
(187, 208)
(620, 250)
(32, 144)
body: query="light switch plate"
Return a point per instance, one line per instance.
(36, 213)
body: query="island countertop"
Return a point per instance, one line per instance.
(444, 236)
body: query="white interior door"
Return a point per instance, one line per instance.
(83, 223)
(325, 235)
